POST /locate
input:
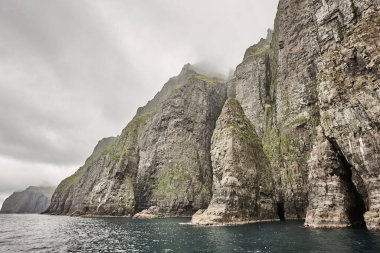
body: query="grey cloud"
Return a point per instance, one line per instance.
(65, 76)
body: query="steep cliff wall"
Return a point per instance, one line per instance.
(32, 200)
(174, 149)
(348, 91)
(319, 72)
(276, 87)
(162, 158)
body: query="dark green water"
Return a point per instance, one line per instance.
(42, 233)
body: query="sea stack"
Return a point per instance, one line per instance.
(242, 179)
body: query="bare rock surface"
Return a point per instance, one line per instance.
(152, 212)
(333, 198)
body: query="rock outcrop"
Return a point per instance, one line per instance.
(32, 200)
(162, 158)
(242, 178)
(153, 212)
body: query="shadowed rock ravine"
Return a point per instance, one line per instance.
(309, 115)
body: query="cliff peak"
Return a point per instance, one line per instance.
(186, 68)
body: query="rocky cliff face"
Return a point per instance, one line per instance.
(348, 86)
(32, 200)
(242, 178)
(310, 92)
(333, 198)
(162, 158)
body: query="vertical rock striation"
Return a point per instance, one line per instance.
(318, 71)
(348, 86)
(242, 179)
(251, 82)
(276, 87)
(333, 198)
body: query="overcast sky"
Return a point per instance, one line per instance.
(73, 72)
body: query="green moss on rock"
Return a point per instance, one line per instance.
(207, 79)
(258, 50)
(71, 181)
(113, 152)
(170, 178)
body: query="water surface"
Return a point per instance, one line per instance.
(43, 233)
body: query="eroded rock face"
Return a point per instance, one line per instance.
(32, 200)
(333, 198)
(162, 158)
(242, 178)
(350, 107)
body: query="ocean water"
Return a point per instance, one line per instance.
(44, 233)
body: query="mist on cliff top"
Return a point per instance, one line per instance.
(72, 72)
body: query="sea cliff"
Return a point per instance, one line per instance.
(293, 135)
